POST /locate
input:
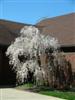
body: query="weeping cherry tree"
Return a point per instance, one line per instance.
(33, 53)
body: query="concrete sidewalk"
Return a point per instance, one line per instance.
(13, 94)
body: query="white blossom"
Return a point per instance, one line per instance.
(27, 45)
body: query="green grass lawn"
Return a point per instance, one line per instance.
(25, 86)
(64, 95)
(69, 95)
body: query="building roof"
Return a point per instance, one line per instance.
(62, 27)
(9, 31)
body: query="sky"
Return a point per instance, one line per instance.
(32, 11)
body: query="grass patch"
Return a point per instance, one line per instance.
(64, 95)
(25, 86)
(69, 95)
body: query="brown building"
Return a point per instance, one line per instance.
(8, 32)
(61, 27)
